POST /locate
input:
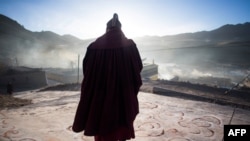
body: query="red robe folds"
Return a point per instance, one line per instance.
(108, 102)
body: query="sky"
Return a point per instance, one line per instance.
(87, 18)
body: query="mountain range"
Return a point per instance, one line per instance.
(226, 45)
(20, 46)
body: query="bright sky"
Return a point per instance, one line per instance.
(87, 18)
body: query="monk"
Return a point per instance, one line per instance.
(108, 104)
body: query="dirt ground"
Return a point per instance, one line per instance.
(169, 111)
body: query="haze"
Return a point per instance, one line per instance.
(87, 20)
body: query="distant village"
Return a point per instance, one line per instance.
(26, 78)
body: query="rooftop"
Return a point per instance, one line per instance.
(161, 118)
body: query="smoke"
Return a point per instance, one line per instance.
(41, 56)
(196, 73)
(196, 61)
(170, 70)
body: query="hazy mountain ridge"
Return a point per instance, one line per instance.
(37, 49)
(48, 49)
(223, 35)
(229, 44)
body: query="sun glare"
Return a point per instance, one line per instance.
(129, 16)
(131, 25)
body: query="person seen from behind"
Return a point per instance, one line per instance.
(108, 104)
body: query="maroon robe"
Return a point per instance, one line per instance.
(108, 102)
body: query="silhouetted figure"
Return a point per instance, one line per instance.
(108, 105)
(9, 88)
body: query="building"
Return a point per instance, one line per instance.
(23, 78)
(150, 71)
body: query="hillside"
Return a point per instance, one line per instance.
(20, 46)
(228, 44)
(223, 35)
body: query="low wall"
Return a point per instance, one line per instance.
(63, 78)
(25, 80)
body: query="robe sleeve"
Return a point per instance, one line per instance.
(137, 66)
